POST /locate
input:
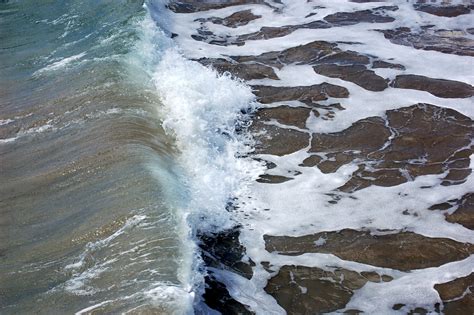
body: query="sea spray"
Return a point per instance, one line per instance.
(205, 112)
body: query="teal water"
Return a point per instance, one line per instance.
(88, 178)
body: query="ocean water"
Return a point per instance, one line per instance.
(111, 144)
(117, 151)
(90, 189)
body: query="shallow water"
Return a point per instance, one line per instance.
(88, 176)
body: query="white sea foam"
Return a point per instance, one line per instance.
(60, 64)
(199, 106)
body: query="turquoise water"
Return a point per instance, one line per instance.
(89, 182)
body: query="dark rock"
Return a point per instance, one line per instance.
(376, 15)
(457, 295)
(273, 179)
(280, 141)
(353, 138)
(357, 74)
(269, 165)
(190, 6)
(383, 64)
(311, 161)
(402, 251)
(438, 87)
(447, 11)
(217, 297)
(224, 251)
(305, 290)
(267, 33)
(446, 41)
(245, 71)
(464, 213)
(277, 141)
(344, 58)
(313, 93)
(286, 115)
(433, 136)
(234, 20)
(351, 18)
(314, 53)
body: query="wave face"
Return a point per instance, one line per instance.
(90, 189)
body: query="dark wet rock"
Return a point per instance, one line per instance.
(351, 143)
(464, 213)
(224, 251)
(286, 115)
(438, 87)
(457, 295)
(312, 93)
(245, 71)
(447, 11)
(402, 251)
(311, 161)
(274, 140)
(190, 6)
(446, 41)
(364, 16)
(267, 33)
(364, 1)
(305, 290)
(205, 35)
(273, 179)
(313, 53)
(421, 139)
(377, 15)
(383, 64)
(217, 297)
(234, 20)
(280, 141)
(357, 74)
(347, 57)
(269, 165)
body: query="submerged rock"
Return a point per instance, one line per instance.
(376, 15)
(273, 179)
(234, 20)
(457, 295)
(223, 250)
(305, 290)
(217, 297)
(365, 16)
(286, 115)
(463, 210)
(190, 6)
(437, 87)
(312, 93)
(245, 71)
(446, 41)
(447, 11)
(417, 140)
(383, 64)
(313, 53)
(271, 139)
(402, 251)
(357, 74)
